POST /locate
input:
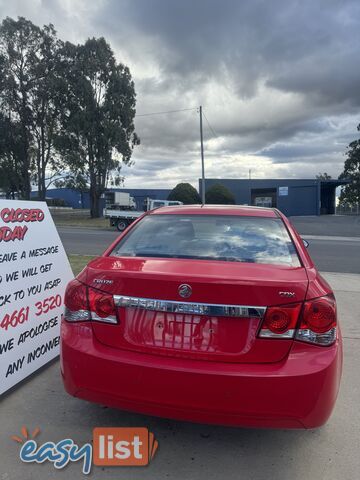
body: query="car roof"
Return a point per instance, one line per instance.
(240, 210)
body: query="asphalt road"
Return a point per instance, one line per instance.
(333, 254)
(340, 225)
(86, 241)
(330, 254)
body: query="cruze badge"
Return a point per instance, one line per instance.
(287, 294)
(185, 290)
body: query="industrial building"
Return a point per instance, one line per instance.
(291, 196)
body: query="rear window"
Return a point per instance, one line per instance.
(210, 237)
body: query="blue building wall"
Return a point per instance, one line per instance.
(74, 198)
(303, 196)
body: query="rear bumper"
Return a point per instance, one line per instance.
(299, 392)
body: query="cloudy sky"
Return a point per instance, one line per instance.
(279, 80)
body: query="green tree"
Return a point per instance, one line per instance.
(186, 193)
(19, 43)
(31, 94)
(48, 101)
(99, 118)
(350, 194)
(323, 176)
(11, 180)
(218, 194)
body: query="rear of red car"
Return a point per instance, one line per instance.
(210, 314)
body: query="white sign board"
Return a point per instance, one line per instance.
(34, 272)
(283, 191)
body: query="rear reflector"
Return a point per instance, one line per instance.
(102, 306)
(76, 303)
(280, 321)
(84, 303)
(318, 321)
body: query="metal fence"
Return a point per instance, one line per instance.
(348, 209)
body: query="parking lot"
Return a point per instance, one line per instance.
(197, 451)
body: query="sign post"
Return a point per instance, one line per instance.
(34, 272)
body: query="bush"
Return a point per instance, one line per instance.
(186, 193)
(219, 195)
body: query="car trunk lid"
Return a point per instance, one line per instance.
(219, 321)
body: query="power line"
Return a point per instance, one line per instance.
(179, 110)
(211, 129)
(162, 113)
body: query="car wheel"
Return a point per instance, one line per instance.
(121, 225)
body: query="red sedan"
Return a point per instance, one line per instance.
(211, 314)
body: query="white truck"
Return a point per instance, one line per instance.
(122, 218)
(120, 201)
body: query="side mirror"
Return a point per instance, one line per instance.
(305, 242)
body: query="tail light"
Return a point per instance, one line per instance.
(84, 303)
(317, 323)
(280, 321)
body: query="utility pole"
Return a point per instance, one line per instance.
(202, 160)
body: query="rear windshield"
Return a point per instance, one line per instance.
(210, 237)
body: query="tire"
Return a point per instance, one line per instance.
(121, 225)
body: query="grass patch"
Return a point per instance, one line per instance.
(78, 262)
(79, 219)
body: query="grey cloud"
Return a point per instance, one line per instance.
(295, 46)
(294, 152)
(309, 49)
(279, 79)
